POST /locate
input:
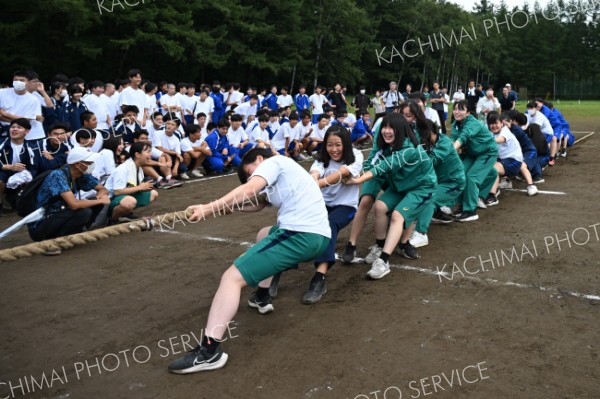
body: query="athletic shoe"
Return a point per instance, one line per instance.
(274, 287)
(505, 183)
(519, 177)
(467, 216)
(264, 306)
(418, 239)
(408, 251)
(53, 252)
(374, 253)
(349, 253)
(458, 211)
(446, 210)
(551, 162)
(227, 169)
(198, 359)
(538, 180)
(491, 200)
(379, 269)
(563, 153)
(532, 190)
(164, 184)
(303, 157)
(184, 176)
(315, 292)
(196, 173)
(480, 203)
(441, 217)
(174, 183)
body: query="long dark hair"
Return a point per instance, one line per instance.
(249, 158)
(347, 153)
(402, 131)
(423, 127)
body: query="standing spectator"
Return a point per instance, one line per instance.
(17, 102)
(170, 103)
(337, 99)
(270, 101)
(206, 105)
(513, 94)
(361, 102)
(218, 107)
(392, 97)
(458, 95)
(506, 101)
(473, 96)
(74, 108)
(301, 100)
(96, 104)
(317, 101)
(437, 100)
(378, 104)
(284, 100)
(111, 100)
(487, 104)
(134, 95)
(408, 91)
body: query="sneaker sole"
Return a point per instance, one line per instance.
(262, 310)
(420, 244)
(378, 277)
(440, 221)
(493, 204)
(204, 366)
(315, 299)
(539, 181)
(469, 219)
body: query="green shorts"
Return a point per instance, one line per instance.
(410, 205)
(373, 187)
(142, 198)
(279, 251)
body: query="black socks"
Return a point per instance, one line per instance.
(210, 344)
(262, 293)
(380, 243)
(384, 257)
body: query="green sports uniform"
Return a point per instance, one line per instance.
(374, 186)
(480, 152)
(450, 173)
(411, 178)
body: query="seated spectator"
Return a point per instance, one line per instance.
(222, 155)
(237, 136)
(16, 157)
(74, 108)
(109, 157)
(127, 184)
(54, 149)
(128, 124)
(349, 119)
(65, 213)
(286, 141)
(315, 141)
(167, 142)
(158, 166)
(361, 132)
(194, 149)
(259, 137)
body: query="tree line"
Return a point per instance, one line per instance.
(259, 42)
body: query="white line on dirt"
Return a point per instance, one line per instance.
(540, 191)
(447, 275)
(583, 138)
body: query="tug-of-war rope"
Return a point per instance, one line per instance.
(66, 242)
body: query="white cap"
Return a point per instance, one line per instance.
(81, 154)
(507, 85)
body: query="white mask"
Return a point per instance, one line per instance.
(19, 86)
(532, 111)
(64, 93)
(362, 91)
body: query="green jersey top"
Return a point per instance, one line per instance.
(474, 136)
(407, 169)
(446, 162)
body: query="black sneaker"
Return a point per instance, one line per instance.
(491, 200)
(274, 287)
(198, 359)
(265, 306)
(315, 292)
(408, 251)
(441, 217)
(467, 216)
(349, 253)
(458, 211)
(538, 180)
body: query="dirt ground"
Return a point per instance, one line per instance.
(519, 330)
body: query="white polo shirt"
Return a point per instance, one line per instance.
(291, 189)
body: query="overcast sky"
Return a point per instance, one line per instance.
(468, 4)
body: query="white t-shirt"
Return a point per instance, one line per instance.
(433, 116)
(105, 164)
(317, 101)
(171, 101)
(17, 150)
(99, 107)
(540, 119)
(511, 147)
(24, 105)
(458, 96)
(486, 103)
(97, 147)
(236, 137)
(235, 98)
(284, 101)
(245, 109)
(112, 104)
(169, 143)
(319, 133)
(340, 194)
(189, 103)
(187, 144)
(278, 140)
(447, 98)
(125, 174)
(137, 97)
(304, 129)
(259, 134)
(207, 106)
(151, 106)
(291, 189)
(350, 119)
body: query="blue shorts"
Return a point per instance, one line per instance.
(512, 167)
(356, 136)
(549, 137)
(291, 147)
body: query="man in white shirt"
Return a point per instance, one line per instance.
(206, 105)
(111, 100)
(189, 103)
(317, 100)
(458, 95)
(248, 109)
(133, 95)
(392, 97)
(284, 100)
(237, 136)
(96, 104)
(487, 104)
(170, 102)
(234, 98)
(17, 102)
(315, 140)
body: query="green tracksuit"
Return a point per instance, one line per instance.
(451, 179)
(411, 178)
(480, 152)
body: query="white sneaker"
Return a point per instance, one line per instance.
(446, 210)
(374, 254)
(480, 203)
(419, 239)
(379, 269)
(184, 176)
(196, 173)
(532, 190)
(302, 157)
(505, 183)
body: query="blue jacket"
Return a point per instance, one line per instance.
(554, 121)
(301, 101)
(218, 100)
(270, 100)
(217, 143)
(27, 157)
(360, 127)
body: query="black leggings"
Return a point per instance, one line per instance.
(64, 223)
(442, 120)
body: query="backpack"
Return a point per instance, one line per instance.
(27, 197)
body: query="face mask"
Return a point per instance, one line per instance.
(19, 86)
(362, 91)
(64, 93)
(90, 169)
(532, 111)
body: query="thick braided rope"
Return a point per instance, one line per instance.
(38, 248)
